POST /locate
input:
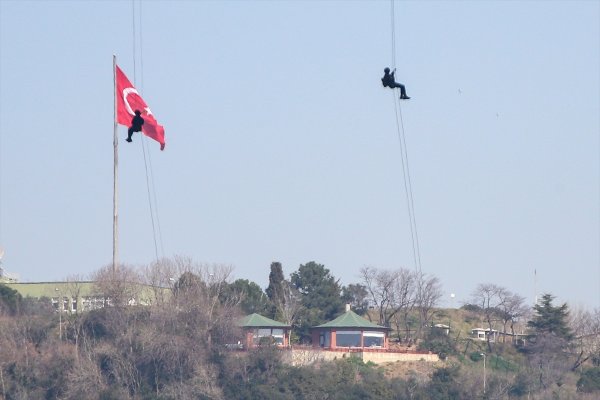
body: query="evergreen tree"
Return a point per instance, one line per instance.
(320, 293)
(275, 290)
(253, 299)
(276, 278)
(10, 300)
(548, 348)
(551, 319)
(357, 296)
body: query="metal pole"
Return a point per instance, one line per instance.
(484, 373)
(60, 308)
(115, 175)
(451, 310)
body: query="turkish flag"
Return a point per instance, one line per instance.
(128, 101)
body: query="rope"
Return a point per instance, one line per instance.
(153, 185)
(143, 144)
(147, 160)
(156, 214)
(407, 184)
(404, 155)
(133, 40)
(393, 14)
(141, 50)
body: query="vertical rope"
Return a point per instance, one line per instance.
(133, 39)
(410, 192)
(404, 154)
(143, 143)
(149, 177)
(393, 14)
(152, 181)
(141, 49)
(407, 184)
(156, 213)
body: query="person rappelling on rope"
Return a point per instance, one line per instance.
(136, 125)
(389, 80)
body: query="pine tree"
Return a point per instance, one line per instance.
(320, 293)
(551, 319)
(275, 289)
(276, 278)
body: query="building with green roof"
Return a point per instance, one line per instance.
(350, 330)
(260, 330)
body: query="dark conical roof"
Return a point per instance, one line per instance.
(350, 319)
(258, 321)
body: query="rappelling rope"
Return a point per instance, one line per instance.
(404, 155)
(407, 185)
(150, 184)
(393, 23)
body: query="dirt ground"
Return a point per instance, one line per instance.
(421, 370)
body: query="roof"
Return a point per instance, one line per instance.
(145, 293)
(350, 319)
(258, 321)
(483, 330)
(53, 289)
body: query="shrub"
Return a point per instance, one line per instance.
(438, 342)
(589, 381)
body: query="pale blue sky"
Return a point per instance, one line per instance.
(281, 142)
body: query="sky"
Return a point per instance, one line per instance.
(282, 144)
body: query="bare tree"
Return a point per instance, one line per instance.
(404, 297)
(199, 293)
(74, 288)
(160, 277)
(511, 308)
(288, 303)
(429, 293)
(490, 298)
(549, 359)
(391, 292)
(585, 326)
(379, 284)
(119, 288)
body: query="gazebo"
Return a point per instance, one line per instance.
(350, 331)
(259, 330)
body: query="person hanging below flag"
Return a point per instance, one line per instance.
(136, 125)
(389, 80)
(128, 100)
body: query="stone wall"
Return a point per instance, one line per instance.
(306, 356)
(379, 358)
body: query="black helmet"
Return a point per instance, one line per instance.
(386, 70)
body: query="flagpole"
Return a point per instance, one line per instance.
(115, 169)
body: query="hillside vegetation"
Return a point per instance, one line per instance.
(175, 347)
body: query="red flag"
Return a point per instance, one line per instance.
(129, 100)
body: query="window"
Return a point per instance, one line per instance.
(373, 339)
(92, 303)
(347, 339)
(60, 303)
(268, 336)
(325, 339)
(278, 336)
(261, 336)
